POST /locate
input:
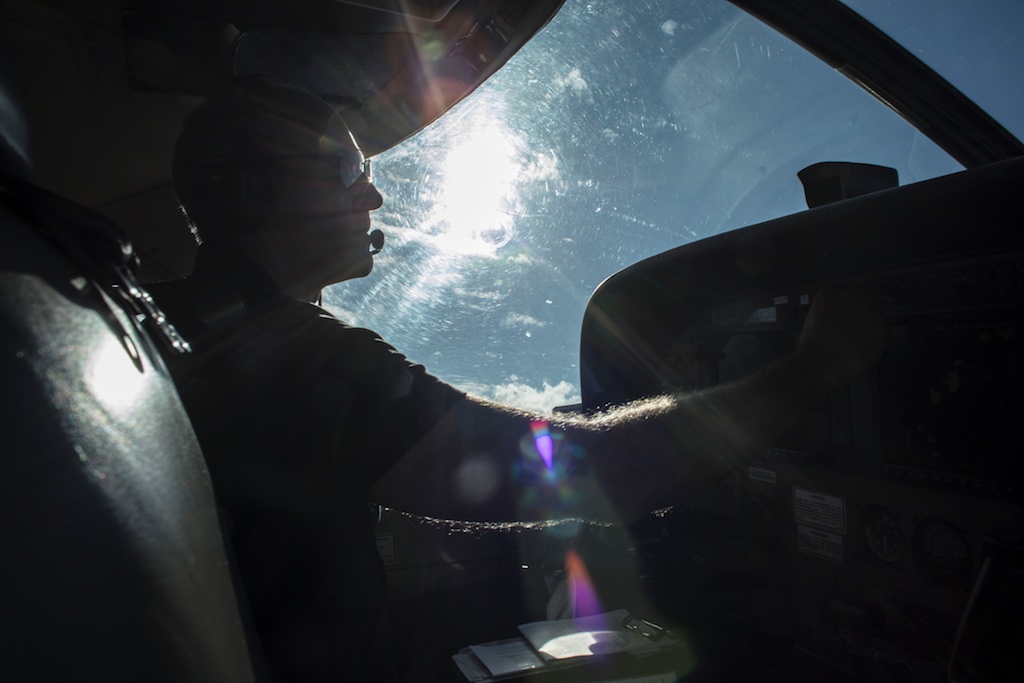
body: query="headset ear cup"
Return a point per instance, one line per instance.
(224, 181)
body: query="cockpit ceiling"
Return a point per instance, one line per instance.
(108, 80)
(391, 73)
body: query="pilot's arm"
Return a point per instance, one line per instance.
(489, 462)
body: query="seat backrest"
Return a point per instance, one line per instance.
(112, 563)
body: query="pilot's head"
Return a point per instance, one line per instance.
(277, 171)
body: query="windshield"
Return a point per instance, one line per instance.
(621, 130)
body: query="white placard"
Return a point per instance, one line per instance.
(818, 509)
(760, 474)
(823, 544)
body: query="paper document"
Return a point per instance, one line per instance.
(549, 646)
(600, 634)
(471, 667)
(507, 656)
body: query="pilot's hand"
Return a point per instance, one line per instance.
(843, 336)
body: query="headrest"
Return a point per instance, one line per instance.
(15, 157)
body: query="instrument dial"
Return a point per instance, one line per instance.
(942, 552)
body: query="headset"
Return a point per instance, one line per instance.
(207, 166)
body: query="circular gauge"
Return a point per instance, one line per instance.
(882, 534)
(942, 552)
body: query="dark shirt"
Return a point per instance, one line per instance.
(298, 415)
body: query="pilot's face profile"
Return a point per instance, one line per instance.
(322, 199)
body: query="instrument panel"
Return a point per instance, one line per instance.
(941, 408)
(860, 543)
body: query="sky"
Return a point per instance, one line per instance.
(623, 129)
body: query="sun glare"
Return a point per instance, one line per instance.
(478, 185)
(114, 378)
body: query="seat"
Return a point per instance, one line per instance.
(113, 565)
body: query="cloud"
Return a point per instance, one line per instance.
(517, 319)
(573, 81)
(522, 395)
(669, 27)
(541, 166)
(522, 258)
(480, 295)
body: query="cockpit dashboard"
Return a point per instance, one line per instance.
(866, 542)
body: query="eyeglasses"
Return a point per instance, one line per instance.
(351, 165)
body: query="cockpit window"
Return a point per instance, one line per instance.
(620, 131)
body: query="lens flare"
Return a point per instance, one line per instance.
(581, 587)
(547, 472)
(543, 442)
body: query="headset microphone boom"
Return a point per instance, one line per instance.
(376, 241)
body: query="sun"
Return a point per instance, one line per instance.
(479, 182)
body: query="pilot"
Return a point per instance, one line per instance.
(306, 420)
